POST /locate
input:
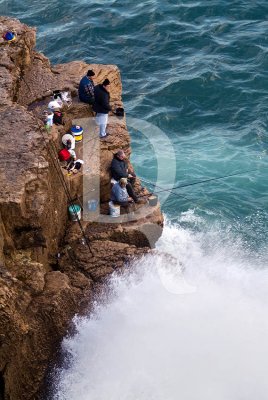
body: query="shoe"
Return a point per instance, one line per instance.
(103, 137)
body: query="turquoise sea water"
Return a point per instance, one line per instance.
(197, 70)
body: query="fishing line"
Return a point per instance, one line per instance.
(193, 183)
(159, 187)
(171, 192)
(207, 180)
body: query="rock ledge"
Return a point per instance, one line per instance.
(47, 274)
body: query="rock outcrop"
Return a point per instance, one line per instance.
(47, 270)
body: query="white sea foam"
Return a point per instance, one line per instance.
(157, 341)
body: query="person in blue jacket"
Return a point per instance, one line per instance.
(119, 193)
(102, 106)
(86, 88)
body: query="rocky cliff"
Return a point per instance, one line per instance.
(47, 273)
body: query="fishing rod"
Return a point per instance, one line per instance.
(171, 192)
(159, 187)
(207, 180)
(144, 195)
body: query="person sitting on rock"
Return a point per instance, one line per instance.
(68, 142)
(66, 158)
(102, 106)
(119, 169)
(119, 194)
(86, 88)
(75, 166)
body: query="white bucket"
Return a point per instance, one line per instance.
(92, 205)
(114, 210)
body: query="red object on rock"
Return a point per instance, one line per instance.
(64, 155)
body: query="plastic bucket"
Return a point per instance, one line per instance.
(114, 209)
(77, 132)
(92, 205)
(75, 212)
(9, 36)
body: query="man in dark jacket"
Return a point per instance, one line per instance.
(102, 105)
(86, 88)
(119, 169)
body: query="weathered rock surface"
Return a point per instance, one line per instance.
(47, 274)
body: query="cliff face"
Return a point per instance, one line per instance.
(47, 274)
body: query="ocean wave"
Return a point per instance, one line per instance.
(193, 311)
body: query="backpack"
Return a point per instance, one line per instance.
(58, 118)
(119, 112)
(64, 155)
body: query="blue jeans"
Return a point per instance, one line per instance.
(101, 121)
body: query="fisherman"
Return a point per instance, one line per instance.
(48, 117)
(68, 142)
(66, 158)
(75, 166)
(120, 194)
(86, 88)
(119, 169)
(102, 106)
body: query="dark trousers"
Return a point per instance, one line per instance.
(124, 204)
(131, 192)
(129, 207)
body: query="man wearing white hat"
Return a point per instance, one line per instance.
(68, 142)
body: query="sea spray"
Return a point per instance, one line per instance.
(149, 343)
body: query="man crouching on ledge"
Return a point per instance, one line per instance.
(119, 170)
